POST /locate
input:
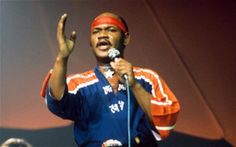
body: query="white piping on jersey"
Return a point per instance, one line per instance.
(149, 81)
(45, 100)
(165, 128)
(156, 135)
(79, 76)
(82, 85)
(167, 102)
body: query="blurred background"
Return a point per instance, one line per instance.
(191, 44)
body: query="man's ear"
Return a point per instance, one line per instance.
(126, 38)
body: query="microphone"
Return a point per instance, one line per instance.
(114, 53)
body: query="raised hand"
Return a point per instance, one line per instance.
(66, 45)
(58, 78)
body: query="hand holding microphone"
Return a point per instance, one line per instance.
(123, 68)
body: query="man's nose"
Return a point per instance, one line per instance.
(103, 35)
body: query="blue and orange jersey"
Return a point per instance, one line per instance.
(99, 114)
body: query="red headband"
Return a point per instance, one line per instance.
(109, 20)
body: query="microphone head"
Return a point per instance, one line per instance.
(113, 53)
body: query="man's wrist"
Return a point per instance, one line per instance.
(61, 57)
(135, 85)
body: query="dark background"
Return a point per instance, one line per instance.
(190, 43)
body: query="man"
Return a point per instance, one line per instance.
(97, 100)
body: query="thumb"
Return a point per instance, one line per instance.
(73, 36)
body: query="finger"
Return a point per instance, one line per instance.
(73, 36)
(116, 63)
(113, 65)
(61, 26)
(117, 60)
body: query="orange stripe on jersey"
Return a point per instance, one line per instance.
(140, 74)
(77, 81)
(74, 82)
(152, 78)
(164, 105)
(161, 110)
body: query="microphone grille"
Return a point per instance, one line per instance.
(113, 53)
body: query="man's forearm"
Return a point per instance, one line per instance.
(58, 78)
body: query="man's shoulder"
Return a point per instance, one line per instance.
(81, 80)
(83, 77)
(146, 71)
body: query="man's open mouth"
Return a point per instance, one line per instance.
(103, 43)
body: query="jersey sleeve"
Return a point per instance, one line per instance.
(69, 105)
(164, 105)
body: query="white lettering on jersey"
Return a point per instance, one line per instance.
(107, 89)
(117, 107)
(121, 87)
(121, 104)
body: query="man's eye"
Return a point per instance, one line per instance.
(95, 31)
(113, 30)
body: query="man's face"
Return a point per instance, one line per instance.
(104, 37)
